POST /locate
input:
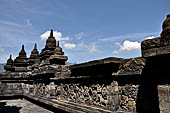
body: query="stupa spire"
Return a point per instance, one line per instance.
(51, 33)
(58, 44)
(34, 52)
(35, 46)
(23, 47)
(9, 64)
(22, 53)
(51, 42)
(10, 56)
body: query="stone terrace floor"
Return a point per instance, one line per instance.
(20, 106)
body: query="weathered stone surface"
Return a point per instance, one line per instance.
(131, 66)
(49, 47)
(155, 49)
(111, 97)
(128, 95)
(65, 95)
(9, 65)
(34, 57)
(164, 98)
(21, 60)
(165, 35)
(150, 43)
(14, 75)
(97, 62)
(160, 45)
(58, 57)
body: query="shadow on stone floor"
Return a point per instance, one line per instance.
(8, 109)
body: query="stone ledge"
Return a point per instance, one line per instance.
(15, 75)
(69, 106)
(132, 66)
(155, 47)
(156, 51)
(65, 105)
(97, 62)
(150, 43)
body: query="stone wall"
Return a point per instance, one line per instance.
(128, 96)
(107, 96)
(11, 89)
(164, 98)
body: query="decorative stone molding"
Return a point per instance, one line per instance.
(131, 66)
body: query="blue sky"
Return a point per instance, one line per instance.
(87, 29)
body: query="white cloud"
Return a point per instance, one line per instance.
(127, 36)
(117, 43)
(28, 22)
(58, 36)
(69, 45)
(89, 49)
(10, 23)
(92, 48)
(80, 35)
(150, 37)
(127, 46)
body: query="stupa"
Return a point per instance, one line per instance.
(49, 47)
(21, 62)
(9, 65)
(165, 35)
(34, 57)
(58, 57)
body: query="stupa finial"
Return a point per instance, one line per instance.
(167, 16)
(35, 46)
(58, 44)
(51, 33)
(22, 47)
(10, 56)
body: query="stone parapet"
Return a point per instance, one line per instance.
(159, 45)
(154, 47)
(132, 66)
